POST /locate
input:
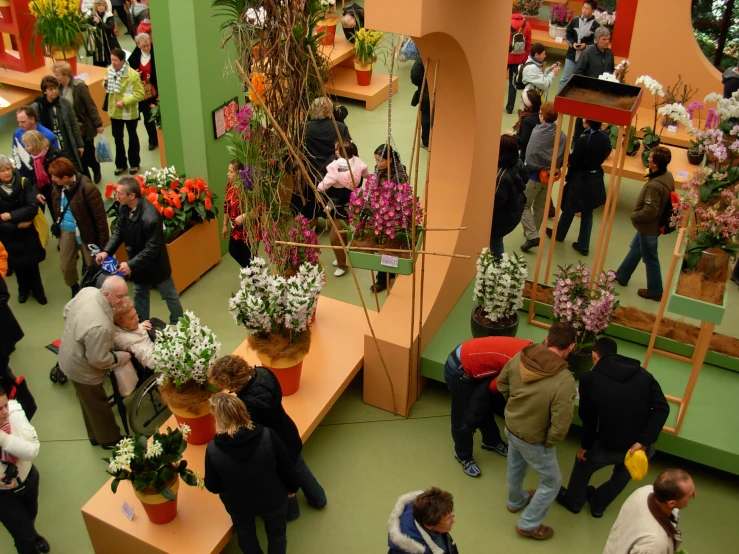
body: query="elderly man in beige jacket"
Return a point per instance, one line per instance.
(87, 353)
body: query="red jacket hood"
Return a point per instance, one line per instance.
(517, 21)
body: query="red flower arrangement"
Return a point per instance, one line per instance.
(182, 202)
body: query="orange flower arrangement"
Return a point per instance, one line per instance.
(258, 84)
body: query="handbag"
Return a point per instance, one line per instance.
(42, 228)
(150, 91)
(126, 378)
(546, 177)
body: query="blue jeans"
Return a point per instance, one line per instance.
(567, 72)
(312, 489)
(521, 455)
(461, 386)
(167, 291)
(643, 247)
(496, 247)
(275, 526)
(586, 226)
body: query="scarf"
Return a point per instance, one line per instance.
(523, 114)
(47, 115)
(584, 30)
(6, 457)
(8, 187)
(115, 78)
(42, 178)
(668, 523)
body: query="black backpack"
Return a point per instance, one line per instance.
(518, 81)
(518, 41)
(669, 211)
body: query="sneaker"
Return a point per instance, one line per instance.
(336, 263)
(541, 533)
(562, 500)
(133, 170)
(589, 494)
(529, 244)
(119, 170)
(531, 493)
(469, 467)
(339, 272)
(501, 448)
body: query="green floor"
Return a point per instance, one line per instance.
(343, 451)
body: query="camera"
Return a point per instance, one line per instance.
(11, 473)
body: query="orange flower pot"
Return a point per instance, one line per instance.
(202, 424)
(287, 371)
(364, 73)
(157, 508)
(327, 26)
(69, 55)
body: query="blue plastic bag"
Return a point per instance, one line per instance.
(103, 151)
(408, 51)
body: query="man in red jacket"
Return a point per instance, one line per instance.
(519, 48)
(471, 373)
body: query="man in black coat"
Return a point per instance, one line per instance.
(417, 74)
(622, 409)
(140, 227)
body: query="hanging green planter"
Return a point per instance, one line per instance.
(377, 261)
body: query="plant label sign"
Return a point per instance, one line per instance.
(672, 128)
(559, 39)
(682, 174)
(128, 511)
(389, 261)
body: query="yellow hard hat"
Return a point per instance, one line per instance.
(637, 464)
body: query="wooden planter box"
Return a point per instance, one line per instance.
(191, 254)
(691, 307)
(596, 109)
(369, 260)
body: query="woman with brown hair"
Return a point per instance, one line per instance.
(260, 391)
(247, 465)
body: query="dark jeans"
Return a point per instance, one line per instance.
(29, 281)
(461, 387)
(512, 71)
(239, 251)
(597, 458)
(643, 247)
(89, 160)
(275, 525)
(312, 489)
(168, 292)
(496, 247)
(134, 148)
(586, 226)
(151, 127)
(18, 511)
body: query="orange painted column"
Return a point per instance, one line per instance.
(623, 29)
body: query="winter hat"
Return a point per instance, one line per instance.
(525, 100)
(637, 464)
(342, 164)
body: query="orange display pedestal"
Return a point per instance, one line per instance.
(17, 22)
(202, 525)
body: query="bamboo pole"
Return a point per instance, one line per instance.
(560, 195)
(542, 231)
(306, 176)
(371, 249)
(699, 355)
(374, 293)
(444, 228)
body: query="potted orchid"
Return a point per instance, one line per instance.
(695, 153)
(276, 312)
(327, 25)
(183, 354)
(588, 308)
(606, 19)
(528, 7)
(651, 138)
(498, 294)
(381, 217)
(560, 16)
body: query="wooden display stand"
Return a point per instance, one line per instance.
(19, 26)
(633, 168)
(202, 525)
(710, 316)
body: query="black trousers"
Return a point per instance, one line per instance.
(90, 162)
(122, 14)
(18, 510)
(239, 251)
(512, 71)
(29, 281)
(151, 127)
(134, 147)
(275, 526)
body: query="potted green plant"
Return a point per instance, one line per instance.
(366, 46)
(632, 143)
(154, 470)
(62, 28)
(498, 294)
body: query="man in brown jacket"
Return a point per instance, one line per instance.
(646, 220)
(540, 391)
(77, 207)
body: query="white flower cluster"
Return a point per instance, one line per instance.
(267, 303)
(727, 108)
(328, 2)
(161, 176)
(651, 85)
(608, 77)
(604, 18)
(677, 112)
(499, 284)
(154, 450)
(123, 455)
(185, 352)
(185, 430)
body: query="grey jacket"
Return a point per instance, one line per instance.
(541, 147)
(85, 109)
(86, 353)
(67, 122)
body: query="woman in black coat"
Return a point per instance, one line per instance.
(248, 466)
(510, 183)
(18, 207)
(260, 391)
(584, 187)
(142, 60)
(417, 73)
(102, 35)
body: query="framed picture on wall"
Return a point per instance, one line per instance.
(224, 117)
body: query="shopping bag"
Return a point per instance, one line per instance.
(408, 51)
(126, 378)
(42, 227)
(103, 152)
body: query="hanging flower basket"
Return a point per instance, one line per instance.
(392, 262)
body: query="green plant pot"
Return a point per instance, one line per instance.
(374, 262)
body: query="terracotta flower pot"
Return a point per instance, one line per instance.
(202, 423)
(327, 26)
(157, 508)
(287, 371)
(480, 328)
(364, 73)
(68, 55)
